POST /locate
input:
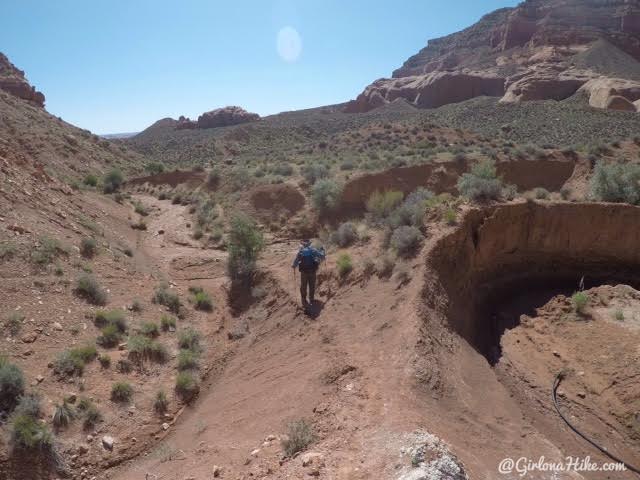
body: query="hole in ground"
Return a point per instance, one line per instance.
(507, 260)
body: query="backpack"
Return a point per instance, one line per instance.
(307, 260)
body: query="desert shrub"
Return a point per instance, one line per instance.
(406, 240)
(149, 329)
(163, 296)
(121, 392)
(381, 204)
(618, 315)
(481, 183)
(28, 404)
(88, 247)
(345, 235)
(154, 168)
(115, 317)
(314, 172)
(109, 337)
(167, 323)
(201, 299)
(72, 361)
(187, 359)
(509, 192)
(105, 360)
(139, 225)
(283, 169)
(7, 250)
(368, 267)
(136, 306)
(411, 211)
(142, 348)
(245, 244)
(140, 208)
(344, 264)
(206, 213)
(112, 181)
(213, 177)
(89, 288)
(579, 301)
(565, 193)
(124, 365)
(27, 433)
(63, 415)
(91, 416)
(325, 195)
(14, 323)
(186, 386)
(11, 385)
(299, 437)
(161, 403)
(348, 164)
(541, 193)
(90, 180)
(616, 182)
(189, 339)
(47, 251)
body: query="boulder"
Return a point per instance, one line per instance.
(226, 116)
(107, 442)
(616, 102)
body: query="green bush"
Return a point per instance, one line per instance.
(7, 250)
(171, 300)
(580, 300)
(14, 323)
(406, 241)
(481, 183)
(201, 299)
(90, 413)
(381, 204)
(345, 236)
(111, 317)
(149, 329)
(121, 392)
(140, 209)
(616, 182)
(88, 247)
(411, 211)
(161, 403)
(27, 433)
(299, 437)
(187, 359)
(244, 246)
(142, 348)
(206, 214)
(541, 193)
(72, 361)
(89, 288)
(167, 323)
(90, 180)
(186, 386)
(314, 172)
(112, 181)
(105, 360)
(47, 251)
(136, 306)
(63, 415)
(11, 385)
(109, 337)
(325, 195)
(189, 339)
(344, 265)
(29, 404)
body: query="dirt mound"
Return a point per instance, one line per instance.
(276, 200)
(191, 178)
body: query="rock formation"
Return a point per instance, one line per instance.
(221, 117)
(12, 80)
(541, 49)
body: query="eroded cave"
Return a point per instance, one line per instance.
(507, 260)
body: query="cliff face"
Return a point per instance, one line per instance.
(541, 49)
(12, 80)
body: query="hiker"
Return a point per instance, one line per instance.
(308, 260)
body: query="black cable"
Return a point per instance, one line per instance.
(556, 384)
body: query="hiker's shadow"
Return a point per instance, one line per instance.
(314, 309)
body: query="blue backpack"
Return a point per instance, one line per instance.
(307, 259)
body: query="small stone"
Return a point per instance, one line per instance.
(160, 232)
(216, 471)
(57, 326)
(71, 397)
(582, 394)
(122, 346)
(39, 379)
(556, 354)
(255, 452)
(89, 438)
(165, 426)
(312, 458)
(29, 337)
(271, 438)
(82, 449)
(107, 442)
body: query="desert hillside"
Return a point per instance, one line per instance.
(480, 283)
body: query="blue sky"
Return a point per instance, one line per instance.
(119, 65)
